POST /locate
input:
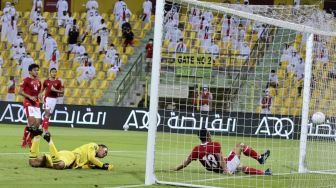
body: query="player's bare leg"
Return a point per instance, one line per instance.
(253, 171)
(26, 139)
(45, 123)
(250, 152)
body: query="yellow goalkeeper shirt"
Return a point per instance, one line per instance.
(86, 155)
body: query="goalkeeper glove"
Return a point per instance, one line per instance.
(107, 166)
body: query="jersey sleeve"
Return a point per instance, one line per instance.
(92, 156)
(23, 84)
(194, 154)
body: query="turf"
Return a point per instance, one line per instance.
(127, 151)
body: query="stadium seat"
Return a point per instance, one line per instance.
(17, 72)
(124, 59)
(69, 74)
(18, 98)
(72, 83)
(100, 75)
(106, 66)
(82, 101)
(104, 85)
(68, 100)
(87, 92)
(98, 93)
(83, 84)
(3, 90)
(93, 84)
(67, 92)
(289, 102)
(97, 66)
(76, 92)
(111, 76)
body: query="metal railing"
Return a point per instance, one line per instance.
(131, 77)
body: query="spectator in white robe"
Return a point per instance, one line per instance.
(18, 40)
(124, 15)
(206, 38)
(34, 27)
(36, 14)
(147, 11)
(79, 51)
(244, 51)
(26, 61)
(1, 63)
(62, 20)
(117, 7)
(12, 30)
(181, 47)
(62, 5)
(287, 53)
(214, 49)
(88, 72)
(92, 5)
(55, 56)
(49, 45)
(5, 24)
(110, 54)
(173, 35)
(193, 12)
(116, 64)
(227, 27)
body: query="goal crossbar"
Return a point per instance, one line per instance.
(259, 18)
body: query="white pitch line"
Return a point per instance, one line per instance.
(234, 177)
(20, 153)
(128, 186)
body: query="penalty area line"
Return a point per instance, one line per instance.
(236, 177)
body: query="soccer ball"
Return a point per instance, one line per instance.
(318, 118)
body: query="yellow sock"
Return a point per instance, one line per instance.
(53, 152)
(35, 148)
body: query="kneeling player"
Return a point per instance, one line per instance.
(84, 156)
(52, 87)
(210, 155)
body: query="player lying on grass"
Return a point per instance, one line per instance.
(85, 156)
(210, 155)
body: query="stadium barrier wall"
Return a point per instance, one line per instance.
(115, 118)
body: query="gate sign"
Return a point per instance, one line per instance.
(193, 60)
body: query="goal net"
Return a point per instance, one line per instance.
(252, 76)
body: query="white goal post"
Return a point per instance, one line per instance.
(292, 24)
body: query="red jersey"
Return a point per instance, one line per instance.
(149, 48)
(205, 97)
(62, 88)
(205, 153)
(31, 87)
(47, 84)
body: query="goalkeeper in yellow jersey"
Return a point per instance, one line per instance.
(85, 156)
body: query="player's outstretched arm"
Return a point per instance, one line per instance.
(183, 165)
(96, 162)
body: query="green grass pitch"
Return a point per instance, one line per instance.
(128, 154)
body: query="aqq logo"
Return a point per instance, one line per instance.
(283, 127)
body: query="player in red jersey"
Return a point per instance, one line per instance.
(52, 87)
(30, 89)
(210, 155)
